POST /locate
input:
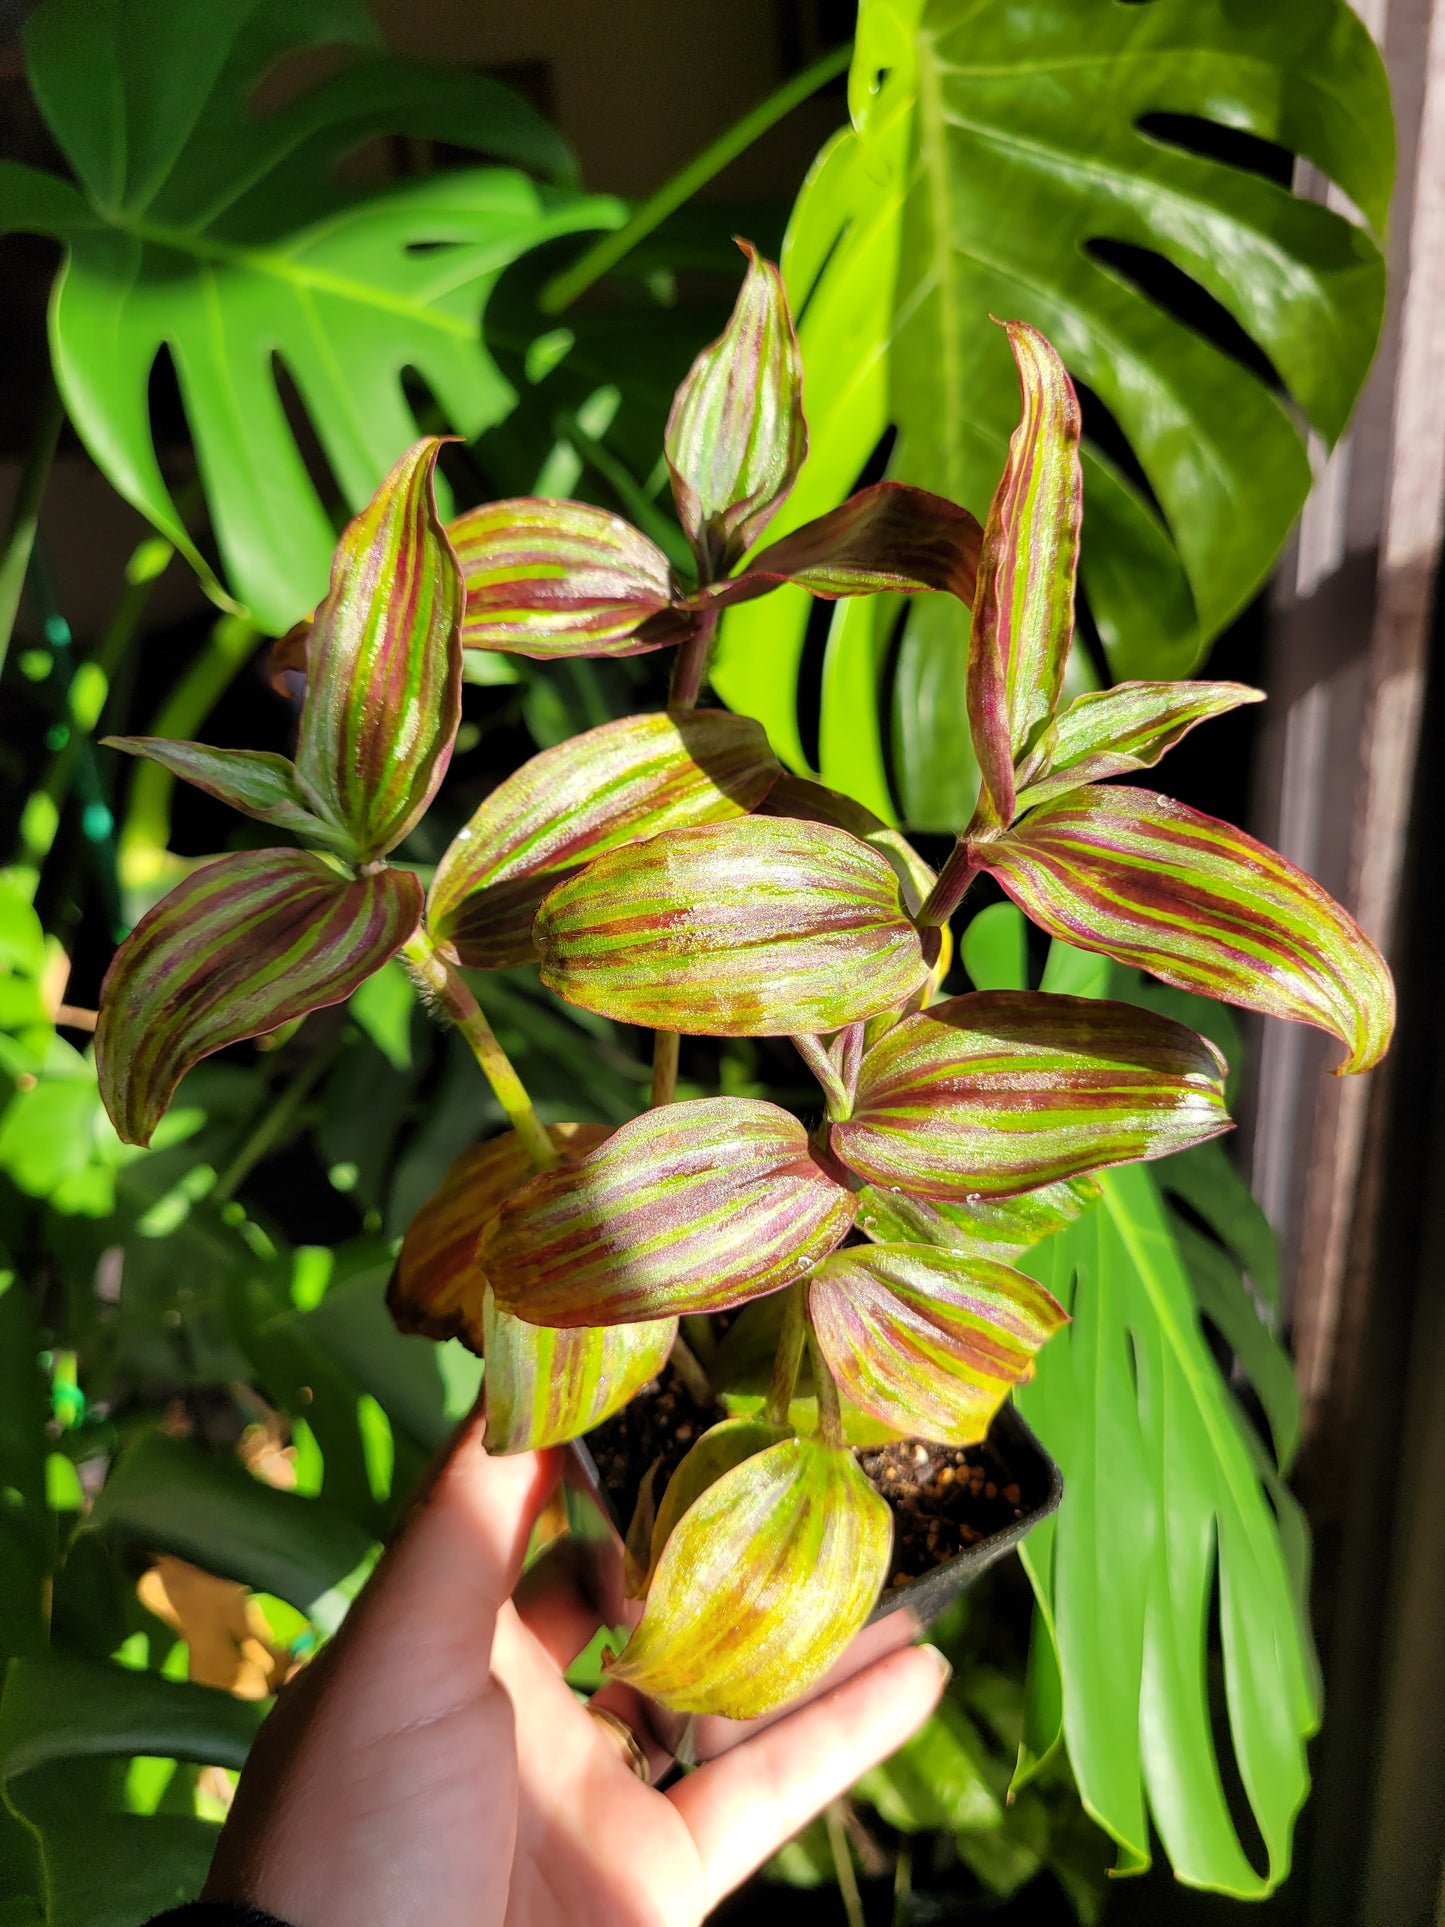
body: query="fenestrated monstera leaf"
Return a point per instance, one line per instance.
(201, 225)
(1050, 165)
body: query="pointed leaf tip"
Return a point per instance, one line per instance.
(927, 1341)
(244, 944)
(1111, 732)
(257, 782)
(762, 1584)
(1023, 614)
(691, 1207)
(736, 437)
(757, 927)
(384, 664)
(1200, 905)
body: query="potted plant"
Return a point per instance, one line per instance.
(795, 1311)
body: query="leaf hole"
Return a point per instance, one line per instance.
(1186, 301)
(316, 461)
(1102, 428)
(1251, 1840)
(1213, 141)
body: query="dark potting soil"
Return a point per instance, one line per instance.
(945, 1498)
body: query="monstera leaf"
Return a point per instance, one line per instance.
(203, 224)
(1085, 168)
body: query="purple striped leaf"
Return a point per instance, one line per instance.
(757, 927)
(384, 664)
(762, 1584)
(1200, 905)
(930, 1342)
(809, 802)
(736, 437)
(690, 1207)
(557, 578)
(544, 1387)
(541, 1387)
(1006, 1090)
(885, 537)
(254, 781)
(626, 780)
(1112, 732)
(437, 1286)
(244, 944)
(1023, 612)
(983, 1227)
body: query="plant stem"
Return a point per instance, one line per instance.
(665, 1045)
(826, 1071)
(843, 1863)
(25, 516)
(951, 888)
(685, 1362)
(447, 986)
(272, 1125)
(830, 1412)
(789, 1354)
(852, 1058)
(689, 670)
(563, 289)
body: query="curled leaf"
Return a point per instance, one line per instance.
(756, 927)
(1111, 732)
(1005, 1090)
(557, 578)
(690, 1207)
(736, 437)
(985, 1227)
(638, 777)
(1023, 612)
(437, 1285)
(762, 1584)
(929, 1341)
(244, 944)
(1200, 905)
(254, 781)
(887, 537)
(384, 664)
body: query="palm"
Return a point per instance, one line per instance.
(435, 1767)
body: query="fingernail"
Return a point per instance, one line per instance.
(945, 1670)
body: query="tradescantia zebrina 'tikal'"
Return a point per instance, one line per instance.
(663, 870)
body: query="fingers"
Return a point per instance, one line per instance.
(552, 1604)
(742, 1807)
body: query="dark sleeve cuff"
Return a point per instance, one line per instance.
(212, 1913)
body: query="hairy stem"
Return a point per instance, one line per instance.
(830, 1411)
(951, 888)
(665, 1045)
(840, 1105)
(446, 985)
(563, 289)
(689, 670)
(25, 516)
(789, 1355)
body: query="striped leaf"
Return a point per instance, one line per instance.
(1023, 612)
(609, 786)
(690, 1207)
(244, 944)
(885, 537)
(555, 578)
(719, 1449)
(985, 1227)
(929, 1341)
(1006, 1090)
(254, 781)
(1200, 905)
(736, 437)
(810, 802)
(384, 664)
(751, 928)
(762, 1584)
(1111, 732)
(437, 1285)
(544, 1387)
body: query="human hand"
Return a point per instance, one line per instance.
(432, 1766)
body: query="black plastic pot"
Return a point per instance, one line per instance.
(899, 1618)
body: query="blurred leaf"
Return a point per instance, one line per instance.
(60, 1708)
(27, 1536)
(384, 1006)
(224, 235)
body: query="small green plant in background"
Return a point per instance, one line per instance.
(671, 890)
